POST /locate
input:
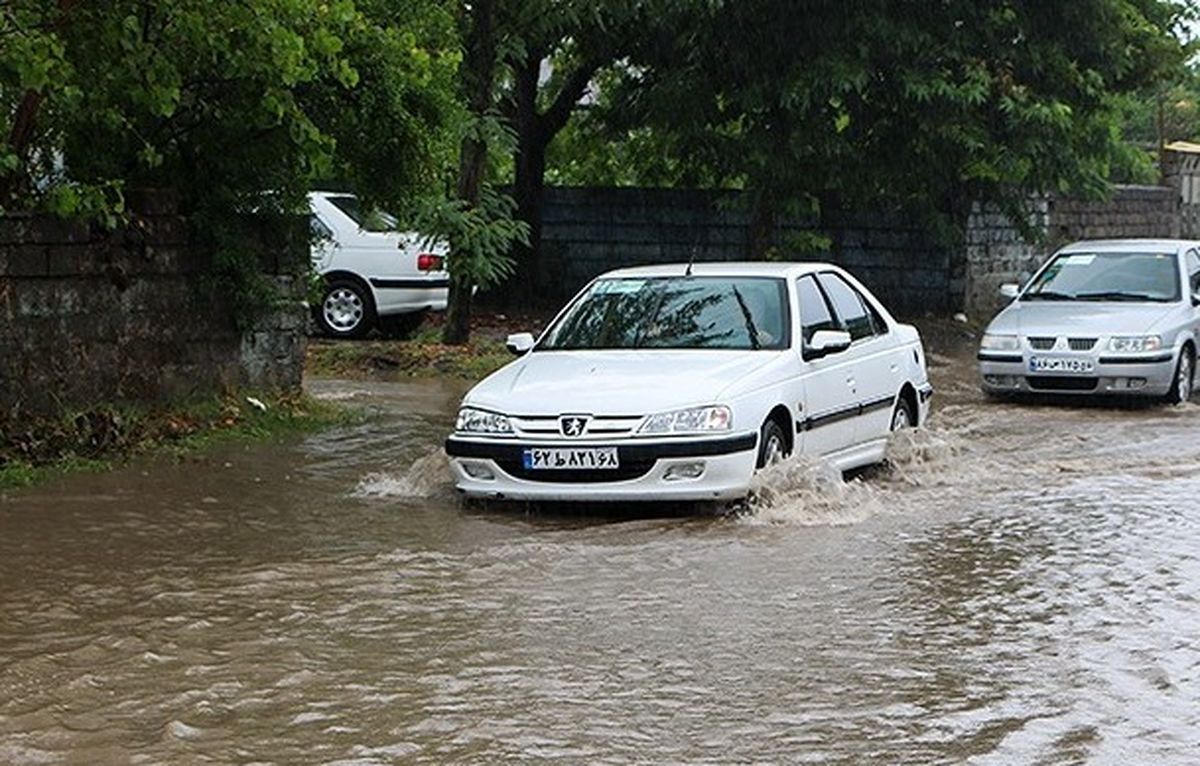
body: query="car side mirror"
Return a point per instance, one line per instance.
(519, 343)
(826, 342)
(1010, 290)
(1196, 299)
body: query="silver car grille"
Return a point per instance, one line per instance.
(1075, 344)
(547, 426)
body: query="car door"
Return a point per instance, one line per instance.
(1191, 262)
(830, 399)
(873, 361)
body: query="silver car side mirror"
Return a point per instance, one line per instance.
(1010, 290)
(519, 343)
(826, 342)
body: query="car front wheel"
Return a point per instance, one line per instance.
(346, 310)
(772, 444)
(1181, 386)
(903, 417)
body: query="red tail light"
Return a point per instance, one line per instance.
(429, 262)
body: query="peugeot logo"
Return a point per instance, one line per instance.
(572, 425)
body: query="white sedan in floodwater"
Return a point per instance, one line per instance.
(678, 383)
(1101, 317)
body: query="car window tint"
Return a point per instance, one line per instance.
(814, 311)
(1193, 267)
(848, 306)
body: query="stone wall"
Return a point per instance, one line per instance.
(88, 316)
(588, 231)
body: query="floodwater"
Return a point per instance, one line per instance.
(1020, 587)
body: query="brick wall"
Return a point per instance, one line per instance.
(88, 316)
(588, 231)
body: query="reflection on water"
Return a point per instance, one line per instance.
(1018, 585)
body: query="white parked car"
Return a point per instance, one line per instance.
(373, 274)
(1101, 317)
(678, 383)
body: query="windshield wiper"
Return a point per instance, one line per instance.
(1118, 295)
(750, 328)
(1047, 295)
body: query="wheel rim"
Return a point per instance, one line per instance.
(901, 420)
(343, 309)
(1184, 383)
(774, 449)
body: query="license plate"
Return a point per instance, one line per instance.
(571, 459)
(1060, 364)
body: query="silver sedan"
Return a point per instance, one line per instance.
(1111, 317)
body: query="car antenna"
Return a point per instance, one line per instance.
(688, 271)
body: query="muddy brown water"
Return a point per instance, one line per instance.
(1021, 586)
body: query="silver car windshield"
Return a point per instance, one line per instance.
(1135, 277)
(676, 312)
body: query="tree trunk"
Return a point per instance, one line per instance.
(530, 181)
(476, 80)
(762, 227)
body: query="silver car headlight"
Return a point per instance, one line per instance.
(1136, 343)
(716, 417)
(1000, 343)
(471, 420)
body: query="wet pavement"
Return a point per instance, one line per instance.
(1020, 586)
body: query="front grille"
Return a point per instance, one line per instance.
(1063, 383)
(630, 469)
(1042, 344)
(1082, 344)
(547, 426)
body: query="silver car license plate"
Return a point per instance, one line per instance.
(1061, 364)
(581, 458)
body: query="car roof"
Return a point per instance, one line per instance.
(724, 269)
(1131, 245)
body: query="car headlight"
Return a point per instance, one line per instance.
(693, 420)
(472, 420)
(1000, 343)
(1136, 343)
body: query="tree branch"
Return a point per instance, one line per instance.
(572, 90)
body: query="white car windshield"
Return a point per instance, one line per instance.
(676, 312)
(1106, 276)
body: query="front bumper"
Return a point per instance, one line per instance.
(1134, 375)
(728, 466)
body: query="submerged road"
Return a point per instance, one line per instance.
(1020, 586)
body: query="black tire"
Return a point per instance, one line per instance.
(903, 410)
(772, 444)
(402, 326)
(346, 309)
(1185, 375)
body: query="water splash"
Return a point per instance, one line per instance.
(807, 491)
(427, 477)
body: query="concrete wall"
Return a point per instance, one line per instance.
(588, 231)
(88, 316)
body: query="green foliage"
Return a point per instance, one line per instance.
(481, 235)
(239, 106)
(925, 106)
